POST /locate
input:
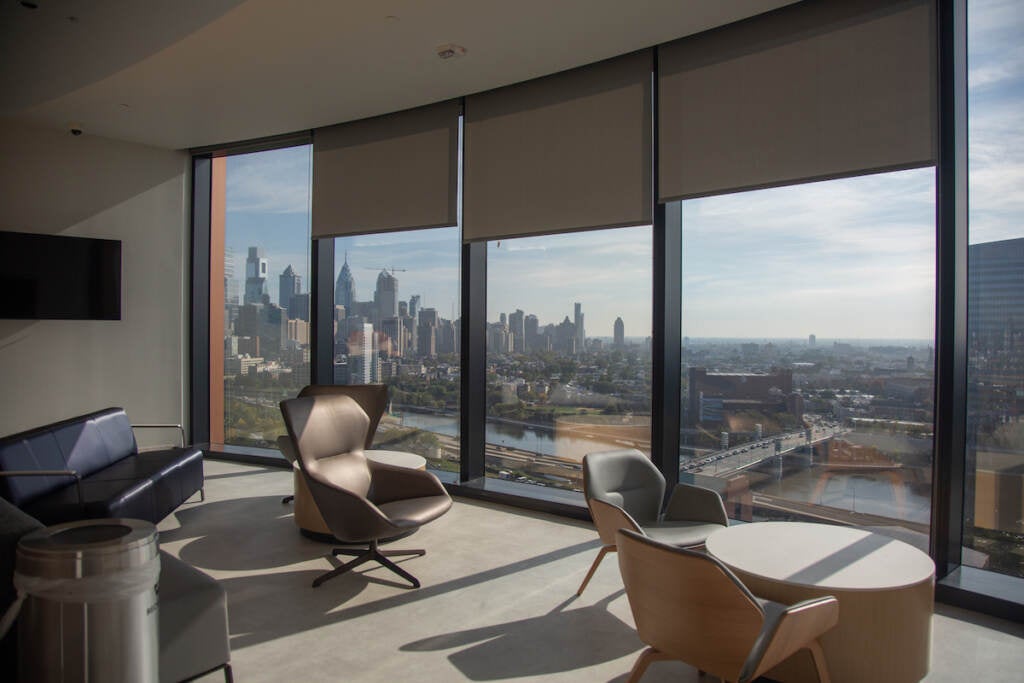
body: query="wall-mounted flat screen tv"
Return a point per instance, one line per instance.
(55, 277)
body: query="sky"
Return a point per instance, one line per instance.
(842, 259)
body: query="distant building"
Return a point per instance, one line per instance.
(581, 337)
(345, 287)
(299, 307)
(812, 340)
(289, 284)
(230, 283)
(517, 328)
(619, 333)
(392, 337)
(385, 296)
(255, 276)
(715, 395)
(363, 362)
(530, 335)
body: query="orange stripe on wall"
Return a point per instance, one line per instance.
(218, 212)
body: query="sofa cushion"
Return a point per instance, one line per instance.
(85, 444)
(147, 486)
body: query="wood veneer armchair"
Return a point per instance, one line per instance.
(688, 606)
(624, 490)
(372, 398)
(361, 501)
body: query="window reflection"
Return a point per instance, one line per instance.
(994, 489)
(808, 351)
(568, 352)
(396, 322)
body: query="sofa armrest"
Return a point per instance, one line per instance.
(49, 473)
(181, 430)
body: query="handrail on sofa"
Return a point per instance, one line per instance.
(49, 473)
(181, 430)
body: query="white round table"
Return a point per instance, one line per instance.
(885, 590)
(308, 517)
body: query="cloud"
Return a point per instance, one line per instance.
(277, 181)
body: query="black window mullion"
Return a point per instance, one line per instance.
(199, 327)
(666, 341)
(951, 289)
(322, 312)
(473, 392)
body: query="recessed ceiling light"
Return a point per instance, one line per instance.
(450, 50)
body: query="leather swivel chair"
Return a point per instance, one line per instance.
(688, 606)
(624, 490)
(373, 398)
(361, 501)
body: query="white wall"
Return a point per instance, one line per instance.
(52, 182)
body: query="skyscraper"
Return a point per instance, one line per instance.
(363, 365)
(255, 276)
(230, 283)
(581, 337)
(530, 330)
(289, 284)
(385, 297)
(517, 329)
(345, 287)
(619, 333)
(414, 305)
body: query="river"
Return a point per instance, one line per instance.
(855, 492)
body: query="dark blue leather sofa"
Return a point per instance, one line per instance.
(90, 467)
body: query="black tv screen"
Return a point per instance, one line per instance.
(54, 277)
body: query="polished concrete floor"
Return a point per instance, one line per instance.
(497, 603)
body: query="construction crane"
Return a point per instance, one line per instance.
(391, 268)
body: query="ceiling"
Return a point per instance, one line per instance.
(189, 73)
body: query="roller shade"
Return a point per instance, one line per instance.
(820, 89)
(570, 151)
(393, 172)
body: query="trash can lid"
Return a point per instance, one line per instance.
(86, 548)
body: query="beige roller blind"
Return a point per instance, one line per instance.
(566, 152)
(820, 89)
(392, 172)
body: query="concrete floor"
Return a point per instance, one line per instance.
(498, 599)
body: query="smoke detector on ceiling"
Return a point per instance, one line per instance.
(450, 50)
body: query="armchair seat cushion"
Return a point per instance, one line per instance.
(414, 512)
(679, 533)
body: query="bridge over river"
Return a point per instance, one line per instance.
(732, 460)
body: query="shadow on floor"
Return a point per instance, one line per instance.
(274, 599)
(561, 640)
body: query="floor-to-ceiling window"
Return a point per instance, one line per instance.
(259, 291)
(568, 352)
(397, 322)
(808, 350)
(994, 487)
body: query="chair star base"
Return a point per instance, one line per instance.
(374, 553)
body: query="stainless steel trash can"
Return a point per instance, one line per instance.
(91, 608)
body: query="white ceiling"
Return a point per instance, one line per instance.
(187, 73)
